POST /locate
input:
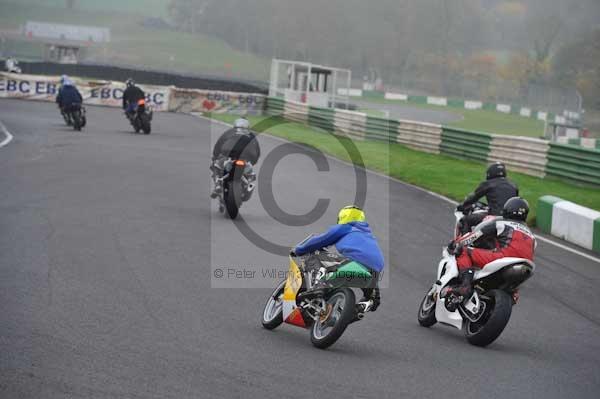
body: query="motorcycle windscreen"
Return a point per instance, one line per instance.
(352, 274)
(291, 313)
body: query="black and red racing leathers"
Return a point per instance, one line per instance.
(511, 239)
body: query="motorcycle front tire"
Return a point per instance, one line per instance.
(270, 319)
(426, 317)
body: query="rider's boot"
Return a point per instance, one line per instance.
(464, 289)
(370, 301)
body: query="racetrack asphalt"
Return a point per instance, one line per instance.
(108, 245)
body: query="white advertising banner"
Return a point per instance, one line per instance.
(437, 101)
(525, 112)
(192, 100)
(94, 92)
(30, 87)
(505, 108)
(111, 94)
(396, 96)
(473, 104)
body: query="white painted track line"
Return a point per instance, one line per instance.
(8, 138)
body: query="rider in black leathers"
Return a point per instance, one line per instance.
(236, 143)
(497, 189)
(131, 96)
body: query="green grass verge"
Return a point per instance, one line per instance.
(499, 123)
(453, 178)
(479, 120)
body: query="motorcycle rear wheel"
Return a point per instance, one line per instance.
(76, 118)
(146, 127)
(273, 312)
(232, 197)
(325, 333)
(491, 324)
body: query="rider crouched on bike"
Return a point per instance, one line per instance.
(353, 240)
(131, 96)
(510, 236)
(68, 96)
(496, 188)
(237, 143)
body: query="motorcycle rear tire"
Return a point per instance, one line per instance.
(232, 197)
(346, 317)
(496, 319)
(145, 124)
(76, 118)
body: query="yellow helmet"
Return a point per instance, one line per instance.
(351, 213)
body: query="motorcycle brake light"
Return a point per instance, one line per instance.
(142, 102)
(240, 162)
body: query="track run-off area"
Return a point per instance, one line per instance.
(108, 247)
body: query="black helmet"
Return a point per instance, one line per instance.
(516, 208)
(130, 82)
(497, 169)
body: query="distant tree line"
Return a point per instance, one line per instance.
(443, 45)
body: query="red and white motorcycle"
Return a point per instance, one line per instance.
(486, 313)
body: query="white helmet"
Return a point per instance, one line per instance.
(241, 124)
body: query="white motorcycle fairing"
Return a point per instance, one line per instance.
(447, 270)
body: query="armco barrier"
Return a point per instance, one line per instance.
(296, 112)
(569, 221)
(425, 137)
(578, 164)
(464, 144)
(350, 124)
(321, 118)
(381, 129)
(275, 106)
(523, 154)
